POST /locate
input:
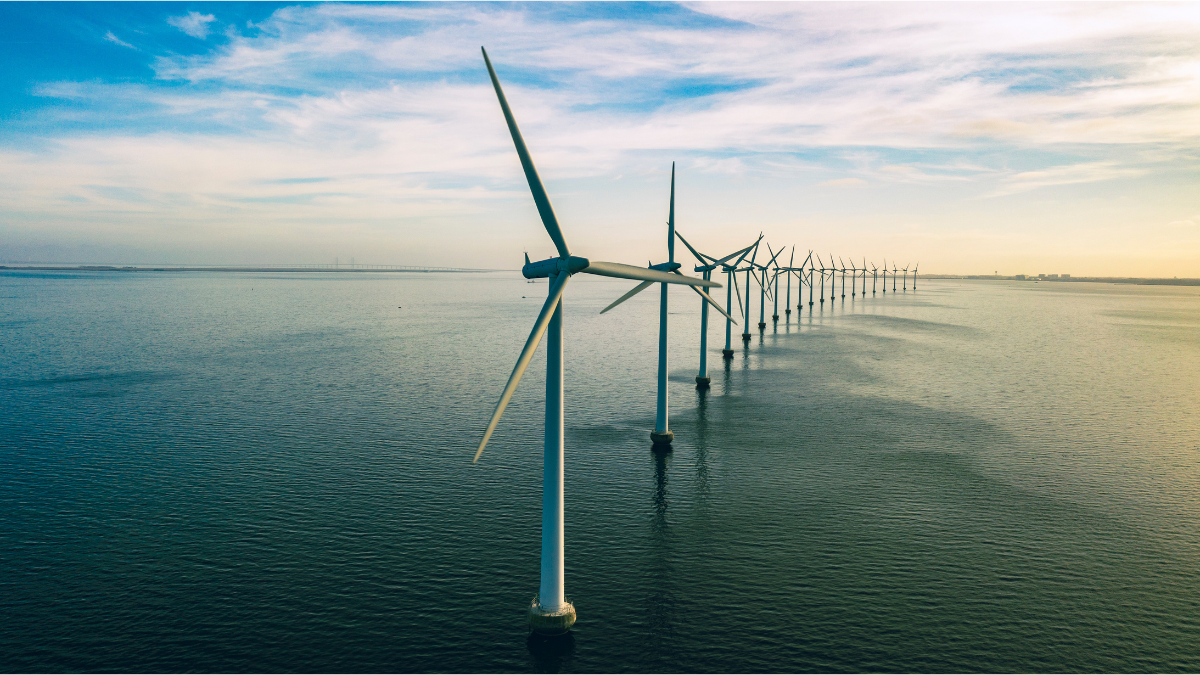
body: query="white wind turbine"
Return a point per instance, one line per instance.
(764, 289)
(661, 437)
(706, 267)
(550, 611)
(787, 304)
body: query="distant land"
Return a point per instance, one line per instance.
(1151, 281)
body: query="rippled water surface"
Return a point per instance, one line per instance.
(256, 472)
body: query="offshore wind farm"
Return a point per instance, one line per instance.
(406, 415)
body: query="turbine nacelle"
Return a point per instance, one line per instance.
(552, 267)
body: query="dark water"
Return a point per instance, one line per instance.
(223, 472)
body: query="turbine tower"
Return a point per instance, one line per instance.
(843, 271)
(812, 268)
(550, 612)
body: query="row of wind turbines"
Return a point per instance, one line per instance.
(550, 612)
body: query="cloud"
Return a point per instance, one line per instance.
(193, 23)
(843, 182)
(116, 40)
(391, 106)
(1182, 223)
(1064, 175)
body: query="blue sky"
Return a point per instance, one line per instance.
(974, 137)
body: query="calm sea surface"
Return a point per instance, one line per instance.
(268, 472)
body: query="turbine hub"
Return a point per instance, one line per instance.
(552, 267)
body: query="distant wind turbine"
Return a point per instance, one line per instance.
(706, 267)
(787, 303)
(764, 288)
(822, 281)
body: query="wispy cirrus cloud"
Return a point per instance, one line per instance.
(1089, 172)
(110, 37)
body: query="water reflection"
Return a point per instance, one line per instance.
(661, 603)
(551, 653)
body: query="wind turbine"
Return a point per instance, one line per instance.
(885, 276)
(832, 280)
(775, 287)
(550, 612)
(894, 270)
(917, 267)
(764, 288)
(906, 278)
(799, 272)
(706, 266)
(853, 280)
(787, 303)
(874, 278)
(822, 282)
(662, 436)
(813, 269)
(843, 271)
(746, 310)
(864, 271)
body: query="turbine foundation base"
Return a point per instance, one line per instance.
(551, 622)
(745, 337)
(762, 325)
(703, 382)
(727, 353)
(775, 317)
(662, 438)
(787, 311)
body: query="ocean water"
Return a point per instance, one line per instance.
(271, 472)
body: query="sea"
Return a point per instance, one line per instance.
(271, 472)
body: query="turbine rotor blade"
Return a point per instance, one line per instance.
(531, 175)
(636, 289)
(620, 271)
(531, 345)
(699, 256)
(741, 252)
(738, 293)
(712, 302)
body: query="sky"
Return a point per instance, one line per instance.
(971, 138)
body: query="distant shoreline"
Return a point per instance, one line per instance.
(1138, 281)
